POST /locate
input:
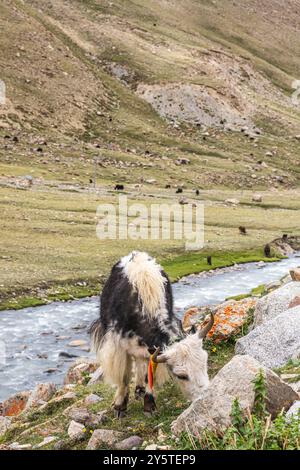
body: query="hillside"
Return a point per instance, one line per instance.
(156, 79)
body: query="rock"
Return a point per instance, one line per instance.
(295, 302)
(235, 380)
(276, 302)
(230, 316)
(151, 181)
(41, 394)
(78, 371)
(75, 429)
(77, 342)
(296, 386)
(92, 399)
(190, 317)
(274, 342)
(17, 446)
(151, 447)
(182, 161)
(67, 355)
(14, 405)
(96, 377)
(80, 415)
(129, 443)
(233, 202)
(104, 436)
(257, 197)
(45, 442)
(5, 424)
(295, 274)
(183, 201)
(294, 411)
(273, 285)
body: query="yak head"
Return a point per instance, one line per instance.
(186, 361)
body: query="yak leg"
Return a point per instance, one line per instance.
(122, 393)
(141, 372)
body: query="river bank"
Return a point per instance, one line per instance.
(176, 267)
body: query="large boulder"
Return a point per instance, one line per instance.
(230, 317)
(235, 380)
(275, 342)
(276, 302)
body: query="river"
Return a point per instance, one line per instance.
(32, 339)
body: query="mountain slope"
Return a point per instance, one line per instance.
(155, 74)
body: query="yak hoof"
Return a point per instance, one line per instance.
(149, 404)
(119, 413)
(139, 392)
(120, 410)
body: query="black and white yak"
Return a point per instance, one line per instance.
(136, 320)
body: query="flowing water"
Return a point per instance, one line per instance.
(32, 339)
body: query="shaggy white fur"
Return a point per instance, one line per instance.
(144, 274)
(187, 358)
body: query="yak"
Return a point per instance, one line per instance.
(137, 323)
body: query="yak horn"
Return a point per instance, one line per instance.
(158, 359)
(208, 327)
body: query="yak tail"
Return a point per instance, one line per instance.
(97, 335)
(145, 276)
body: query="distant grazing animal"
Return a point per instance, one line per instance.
(168, 186)
(285, 237)
(267, 251)
(243, 230)
(136, 319)
(209, 260)
(197, 192)
(179, 191)
(119, 187)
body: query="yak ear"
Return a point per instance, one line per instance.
(192, 330)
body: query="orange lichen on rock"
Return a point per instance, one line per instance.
(14, 405)
(229, 318)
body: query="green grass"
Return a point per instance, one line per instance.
(197, 262)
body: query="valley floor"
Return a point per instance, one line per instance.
(50, 250)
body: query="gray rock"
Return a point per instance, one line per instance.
(41, 394)
(17, 446)
(104, 436)
(45, 442)
(235, 380)
(92, 399)
(80, 415)
(96, 377)
(75, 429)
(5, 423)
(294, 411)
(233, 201)
(276, 302)
(129, 443)
(274, 342)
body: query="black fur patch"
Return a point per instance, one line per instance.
(121, 311)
